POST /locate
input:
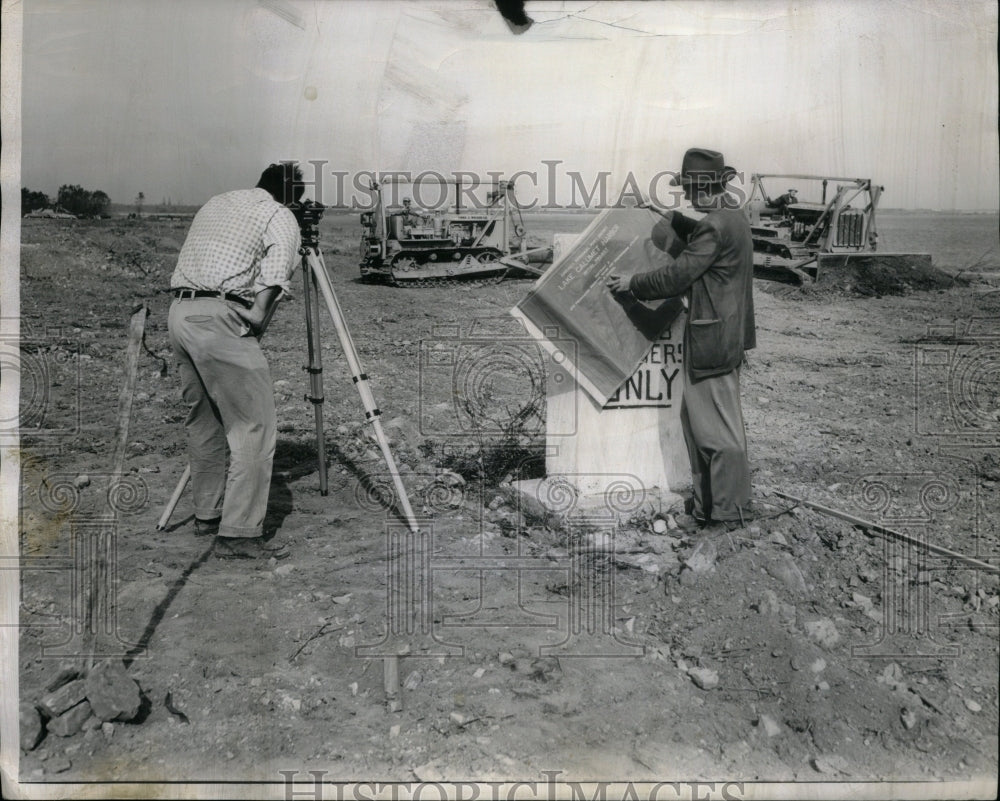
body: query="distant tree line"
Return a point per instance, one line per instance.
(33, 201)
(72, 198)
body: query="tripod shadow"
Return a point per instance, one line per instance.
(376, 486)
(290, 462)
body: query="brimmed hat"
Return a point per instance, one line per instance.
(703, 167)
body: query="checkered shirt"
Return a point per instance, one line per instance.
(240, 242)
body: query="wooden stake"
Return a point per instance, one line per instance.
(97, 589)
(172, 503)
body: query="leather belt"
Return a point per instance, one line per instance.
(187, 294)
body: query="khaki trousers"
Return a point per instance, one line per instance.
(712, 421)
(227, 387)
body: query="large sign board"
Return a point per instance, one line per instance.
(571, 301)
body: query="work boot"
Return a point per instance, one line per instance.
(206, 528)
(248, 548)
(746, 517)
(689, 523)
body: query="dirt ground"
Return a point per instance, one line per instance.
(801, 648)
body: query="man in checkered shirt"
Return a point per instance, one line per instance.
(236, 263)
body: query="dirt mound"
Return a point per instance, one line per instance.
(882, 274)
(872, 275)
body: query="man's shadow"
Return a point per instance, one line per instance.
(290, 459)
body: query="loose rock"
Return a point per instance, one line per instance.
(771, 727)
(705, 678)
(64, 698)
(112, 693)
(830, 763)
(31, 726)
(785, 570)
(59, 764)
(65, 675)
(70, 722)
(92, 723)
(823, 631)
(702, 559)
(428, 773)
(777, 538)
(892, 677)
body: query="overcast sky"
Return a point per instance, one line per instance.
(187, 98)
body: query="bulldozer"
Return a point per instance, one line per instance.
(410, 246)
(796, 239)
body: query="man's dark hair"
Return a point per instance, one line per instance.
(283, 181)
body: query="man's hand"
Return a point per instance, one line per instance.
(620, 291)
(259, 315)
(254, 318)
(617, 283)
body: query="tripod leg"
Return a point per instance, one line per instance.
(315, 369)
(372, 412)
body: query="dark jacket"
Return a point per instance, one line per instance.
(715, 270)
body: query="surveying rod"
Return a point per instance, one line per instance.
(360, 379)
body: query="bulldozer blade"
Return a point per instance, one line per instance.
(509, 261)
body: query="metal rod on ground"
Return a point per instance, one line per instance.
(930, 546)
(97, 610)
(186, 475)
(390, 681)
(315, 367)
(372, 412)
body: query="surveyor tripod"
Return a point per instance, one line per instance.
(316, 283)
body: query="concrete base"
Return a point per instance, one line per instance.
(620, 498)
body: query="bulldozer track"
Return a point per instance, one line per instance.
(428, 282)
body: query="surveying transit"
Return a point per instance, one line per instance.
(316, 281)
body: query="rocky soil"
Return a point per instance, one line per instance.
(800, 648)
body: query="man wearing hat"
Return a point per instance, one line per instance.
(714, 275)
(786, 200)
